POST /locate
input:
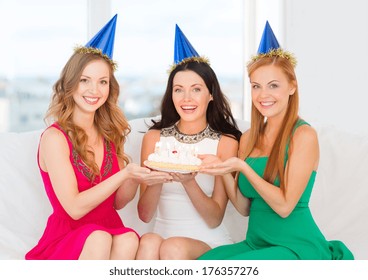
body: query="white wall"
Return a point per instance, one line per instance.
(330, 40)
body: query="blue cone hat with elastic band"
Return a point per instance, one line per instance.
(268, 40)
(104, 39)
(182, 48)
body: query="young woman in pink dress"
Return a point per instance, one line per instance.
(81, 158)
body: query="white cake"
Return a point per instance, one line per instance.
(178, 157)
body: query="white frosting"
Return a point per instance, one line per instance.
(175, 154)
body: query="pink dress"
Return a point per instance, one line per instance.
(64, 237)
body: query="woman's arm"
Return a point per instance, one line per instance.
(149, 194)
(127, 191)
(54, 159)
(212, 208)
(303, 160)
(214, 166)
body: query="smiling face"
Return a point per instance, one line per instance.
(271, 90)
(93, 87)
(190, 96)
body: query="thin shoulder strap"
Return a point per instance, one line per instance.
(57, 126)
(298, 123)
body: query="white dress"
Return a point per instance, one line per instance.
(176, 215)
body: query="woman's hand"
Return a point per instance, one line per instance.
(180, 177)
(214, 166)
(208, 159)
(145, 175)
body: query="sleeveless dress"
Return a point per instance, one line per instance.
(64, 237)
(271, 237)
(176, 215)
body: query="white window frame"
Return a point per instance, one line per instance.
(99, 12)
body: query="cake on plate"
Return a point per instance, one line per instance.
(174, 158)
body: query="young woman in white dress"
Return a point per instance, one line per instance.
(188, 211)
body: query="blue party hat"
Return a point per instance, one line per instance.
(104, 39)
(183, 48)
(103, 42)
(268, 40)
(270, 47)
(184, 51)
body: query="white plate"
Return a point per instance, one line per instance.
(181, 171)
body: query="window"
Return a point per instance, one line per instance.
(145, 45)
(40, 36)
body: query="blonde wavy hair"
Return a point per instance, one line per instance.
(275, 168)
(109, 118)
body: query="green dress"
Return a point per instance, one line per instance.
(271, 237)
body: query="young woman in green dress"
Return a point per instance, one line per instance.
(276, 166)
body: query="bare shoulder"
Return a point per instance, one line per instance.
(148, 143)
(152, 135)
(305, 134)
(244, 138)
(305, 139)
(227, 147)
(54, 148)
(243, 143)
(228, 141)
(53, 137)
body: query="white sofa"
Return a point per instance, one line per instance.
(339, 200)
